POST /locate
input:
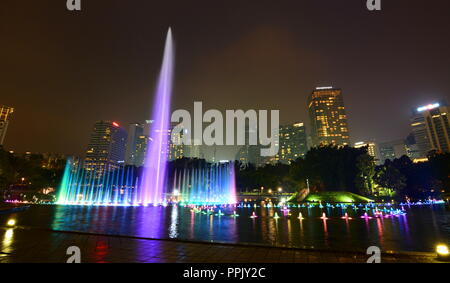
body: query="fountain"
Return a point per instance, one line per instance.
(211, 184)
(324, 216)
(81, 186)
(346, 217)
(155, 167)
(122, 185)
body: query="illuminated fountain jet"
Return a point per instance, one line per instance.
(209, 185)
(155, 166)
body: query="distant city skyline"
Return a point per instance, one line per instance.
(134, 150)
(61, 78)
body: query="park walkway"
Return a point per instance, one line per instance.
(36, 245)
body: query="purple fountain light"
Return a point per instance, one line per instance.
(155, 167)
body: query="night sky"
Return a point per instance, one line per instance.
(62, 70)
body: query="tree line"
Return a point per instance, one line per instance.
(28, 170)
(332, 168)
(324, 168)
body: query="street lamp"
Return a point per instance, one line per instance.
(11, 222)
(442, 252)
(280, 189)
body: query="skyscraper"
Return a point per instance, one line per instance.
(412, 148)
(392, 150)
(293, 143)
(327, 117)
(419, 130)
(251, 154)
(135, 131)
(436, 117)
(106, 148)
(371, 149)
(5, 116)
(177, 148)
(137, 141)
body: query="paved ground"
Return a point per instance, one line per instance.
(30, 245)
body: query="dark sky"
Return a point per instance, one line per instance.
(62, 70)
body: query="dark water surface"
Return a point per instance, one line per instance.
(419, 230)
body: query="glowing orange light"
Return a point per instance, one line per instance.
(115, 124)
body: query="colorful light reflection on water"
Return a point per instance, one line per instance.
(417, 230)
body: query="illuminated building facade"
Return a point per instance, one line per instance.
(138, 138)
(371, 149)
(293, 143)
(420, 132)
(328, 118)
(437, 124)
(106, 149)
(392, 150)
(53, 160)
(176, 148)
(135, 131)
(5, 116)
(412, 148)
(251, 154)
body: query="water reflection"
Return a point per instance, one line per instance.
(419, 230)
(8, 239)
(173, 230)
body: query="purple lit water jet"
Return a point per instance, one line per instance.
(123, 185)
(155, 167)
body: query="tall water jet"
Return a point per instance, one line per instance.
(123, 185)
(155, 166)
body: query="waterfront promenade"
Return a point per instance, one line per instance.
(22, 244)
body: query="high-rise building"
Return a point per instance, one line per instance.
(106, 148)
(53, 160)
(372, 149)
(251, 154)
(436, 118)
(327, 116)
(412, 148)
(419, 130)
(392, 150)
(293, 143)
(138, 138)
(5, 116)
(193, 150)
(135, 131)
(177, 148)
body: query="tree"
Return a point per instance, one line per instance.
(390, 180)
(330, 168)
(27, 170)
(364, 180)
